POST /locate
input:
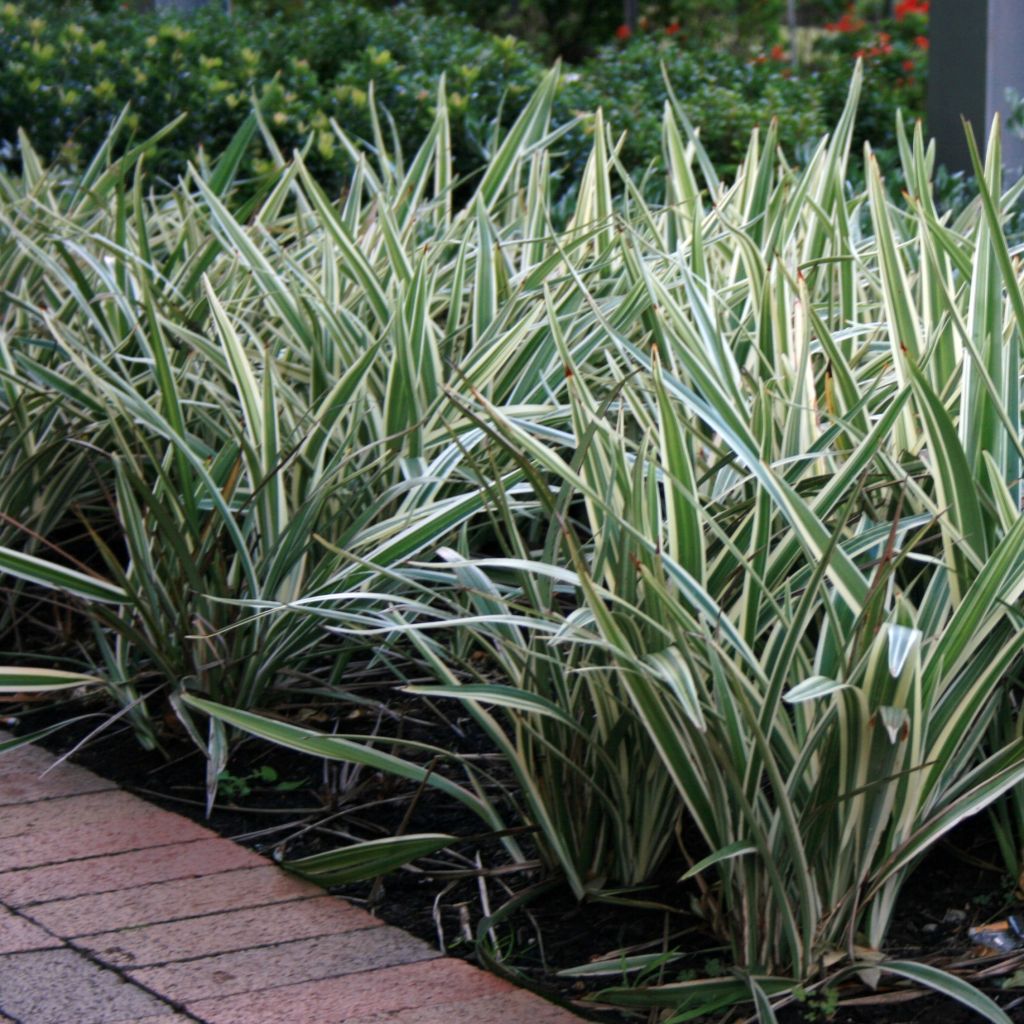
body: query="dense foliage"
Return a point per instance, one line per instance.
(673, 442)
(75, 69)
(575, 30)
(706, 508)
(77, 73)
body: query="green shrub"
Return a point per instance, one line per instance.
(895, 55)
(77, 71)
(575, 30)
(742, 520)
(723, 96)
(708, 510)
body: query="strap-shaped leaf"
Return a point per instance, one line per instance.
(367, 860)
(58, 577)
(16, 679)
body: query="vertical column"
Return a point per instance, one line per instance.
(976, 54)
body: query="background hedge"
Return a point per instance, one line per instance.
(65, 74)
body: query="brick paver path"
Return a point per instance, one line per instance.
(113, 911)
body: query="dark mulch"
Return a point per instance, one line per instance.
(277, 802)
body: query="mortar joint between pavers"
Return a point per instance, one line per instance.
(123, 974)
(19, 912)
(174, 961)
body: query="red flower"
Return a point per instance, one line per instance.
(905, 7)
(672, 28)
(778, 53)
(847, 23)
(921, 41)
(908, 65)
(623, 32)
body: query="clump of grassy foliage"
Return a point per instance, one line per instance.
(707, 509)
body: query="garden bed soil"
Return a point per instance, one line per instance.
(280, 803)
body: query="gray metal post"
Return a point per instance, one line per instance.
(630, 13)
(976, 54)
(791, 25)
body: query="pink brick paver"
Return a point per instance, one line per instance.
(26, 781)
(227, 932)
(134, 914)
(71, 812)
(341, 1000)
(17, 935)
(159, 902)
(123, 871)
(60, 986)
(108, 825)
(253, 970)
(495, 1009)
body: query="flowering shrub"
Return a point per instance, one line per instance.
(911, 7)
(726, 96)
(577, 29)
(729, 94)
(76, 69)
(895, 55)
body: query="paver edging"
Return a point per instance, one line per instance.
(47, 886)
